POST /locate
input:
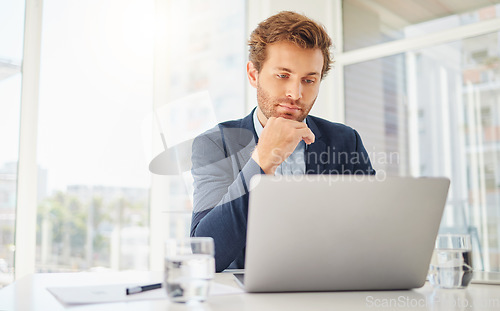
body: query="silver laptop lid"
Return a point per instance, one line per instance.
(324, 233)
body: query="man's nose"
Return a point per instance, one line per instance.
(294, 89)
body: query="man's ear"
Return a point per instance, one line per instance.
(253, 74)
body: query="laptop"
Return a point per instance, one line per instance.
(341, 233)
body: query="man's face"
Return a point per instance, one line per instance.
(288, 82)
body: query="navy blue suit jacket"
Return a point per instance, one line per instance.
(222, 168)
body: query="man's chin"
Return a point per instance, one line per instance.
(299, 118)
(288, 116)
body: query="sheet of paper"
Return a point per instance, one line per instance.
(73, 295)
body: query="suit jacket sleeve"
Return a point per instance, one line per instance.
(363, 164)
(220, 197)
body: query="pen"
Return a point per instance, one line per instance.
(140, 289)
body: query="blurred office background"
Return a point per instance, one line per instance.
(79, 81)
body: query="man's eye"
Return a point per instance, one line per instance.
(282, 76)
(308, 81)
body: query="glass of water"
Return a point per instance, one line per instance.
(189, 268)
(451, 263)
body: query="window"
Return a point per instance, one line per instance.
(205, 58)
(11, 54)
(101, 75)
(436, 109)
(96, 90)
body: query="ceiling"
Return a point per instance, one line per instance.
(410, 12)
(417, 11)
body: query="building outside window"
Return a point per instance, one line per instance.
(436, 108)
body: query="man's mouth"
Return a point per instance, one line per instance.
(289, 108)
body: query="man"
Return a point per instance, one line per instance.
(289, 56)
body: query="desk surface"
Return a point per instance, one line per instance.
(30, 293)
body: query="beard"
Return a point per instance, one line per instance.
(270, 106)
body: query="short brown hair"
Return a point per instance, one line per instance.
(291, 27)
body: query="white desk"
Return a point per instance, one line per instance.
(30, 293)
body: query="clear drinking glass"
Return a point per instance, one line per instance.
(451, 263)
(189, 268)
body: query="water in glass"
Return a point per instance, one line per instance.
(188, 277)
(451, 268)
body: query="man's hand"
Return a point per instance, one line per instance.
(278, 140)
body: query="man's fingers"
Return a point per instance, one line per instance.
(307, 140)
(303, 130)
(300, 129)
(307, 135)
(295, 124)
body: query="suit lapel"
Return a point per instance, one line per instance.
(316, 150)
(246, 126)
(241, 140)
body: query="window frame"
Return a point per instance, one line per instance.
(27, 172)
